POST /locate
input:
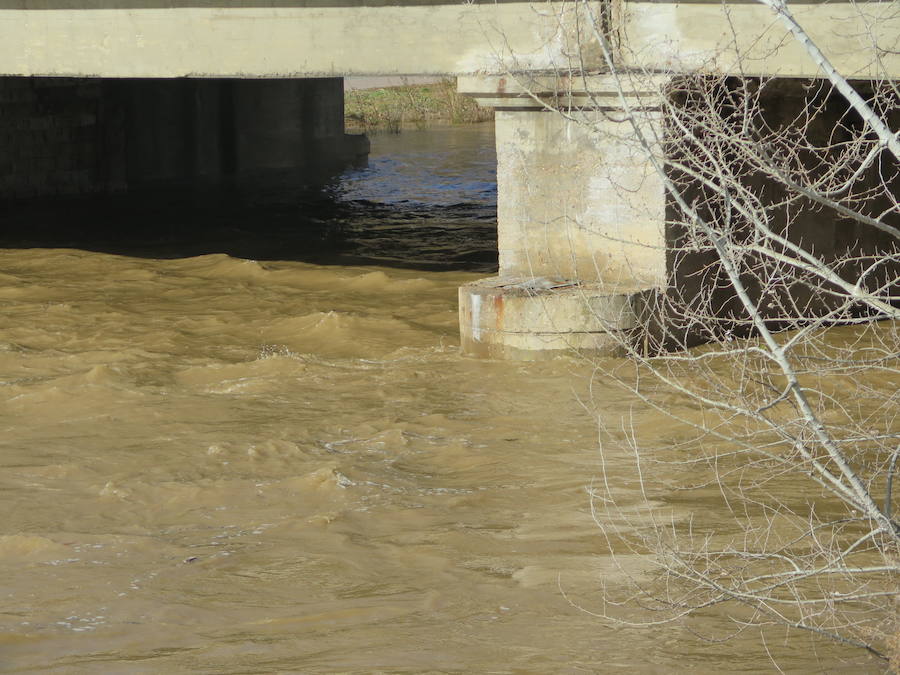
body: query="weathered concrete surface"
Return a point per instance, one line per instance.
(381, 81)
(280, 39)
(309, 38)
(861, 39)
(575, 198)
(574, 203)
(534, 318)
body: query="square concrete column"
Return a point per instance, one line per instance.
(581, 216)
(249, 132)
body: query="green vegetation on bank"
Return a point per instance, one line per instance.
(390, 108)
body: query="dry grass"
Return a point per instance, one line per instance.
(392, 108)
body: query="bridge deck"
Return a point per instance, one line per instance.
(308, 38)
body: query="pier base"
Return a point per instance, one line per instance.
(537, 318)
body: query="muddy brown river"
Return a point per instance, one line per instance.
(256, 449)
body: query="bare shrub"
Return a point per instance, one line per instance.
(783, 260)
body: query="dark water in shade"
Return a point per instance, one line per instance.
(255, 448)
(427, 200)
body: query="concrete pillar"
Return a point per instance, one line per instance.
(67, 136)
(292, 130)
(581, 219)
(591, 249)
(255, 132)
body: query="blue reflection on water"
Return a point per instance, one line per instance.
(426, 197)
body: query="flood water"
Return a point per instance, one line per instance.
(255, 448)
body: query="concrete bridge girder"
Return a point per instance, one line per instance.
(289, 39)
(330, 38)
(746, 38)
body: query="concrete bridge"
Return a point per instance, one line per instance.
(146, 92)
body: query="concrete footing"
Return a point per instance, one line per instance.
(537, 318)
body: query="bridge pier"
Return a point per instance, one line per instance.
(593, 252)
(580, 218)
(78, 136)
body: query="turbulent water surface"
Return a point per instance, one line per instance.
(243, 441)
